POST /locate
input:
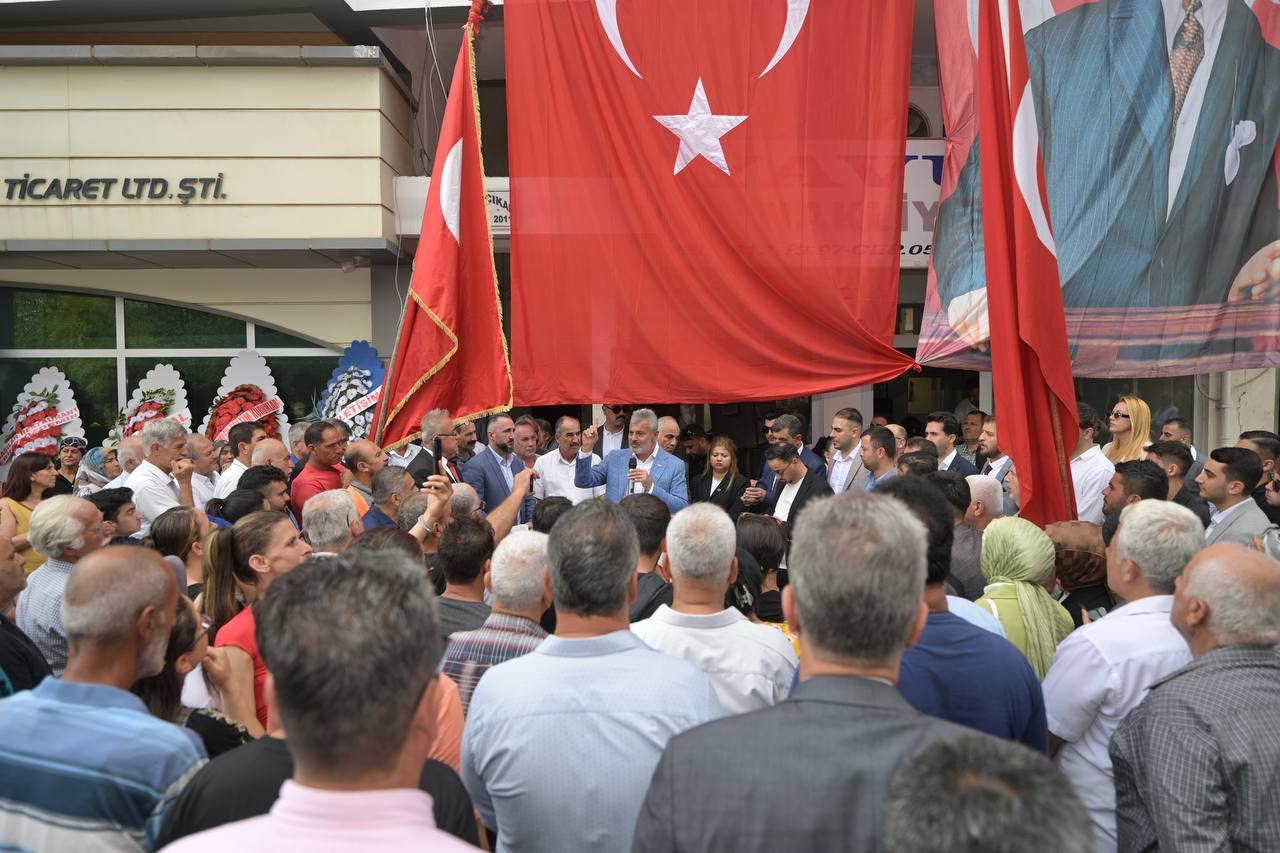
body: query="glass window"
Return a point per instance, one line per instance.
(200, 376)
(266, 337)
(93, 382)
(300, 381)
(51, 319)
(154, 325)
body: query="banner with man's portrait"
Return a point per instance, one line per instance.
(1158, 123)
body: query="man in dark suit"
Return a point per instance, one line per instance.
(943, 430)
(492, 471)
(837, 740)
(784, 429)
(794, 485)
(1158, 128)
(421, 461)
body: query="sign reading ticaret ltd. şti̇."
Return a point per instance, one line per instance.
(184, 190)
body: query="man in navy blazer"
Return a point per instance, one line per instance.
(785, 429)
(943, 430)
(656, 471)
(490, 472)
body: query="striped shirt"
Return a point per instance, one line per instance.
(39, 613)
(84, 767)
(471, 653)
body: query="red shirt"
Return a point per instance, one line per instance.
(238, 633)
(310, 482)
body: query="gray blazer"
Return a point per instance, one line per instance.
(810, 773)
(1240, 526)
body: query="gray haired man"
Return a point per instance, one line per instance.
(66, 528)
(857, 568)
(163, 480)
(330, 522)
(1196, 762)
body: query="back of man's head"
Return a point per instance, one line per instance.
(918, 464)
(650, 517)
(954, 487)
(701, 543)
(928, 505)
(386, 651)
(412, 509)
(327, 519)
(549, 510)
(518, 571)
(1144, 478)
(389, 482)
(258, 477)
(858, 565)
(981, 794)
(111, 501)
(107, 593)
(985, 488)
(266, 449)
(57, 523)
(129, 452)
(1241, 589)
(1160, 538)
(920, 444)
(465, 500)
(592, 553)
(1172, 453)
(465, 544)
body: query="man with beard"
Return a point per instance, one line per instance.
(557, 468)
(82, 762)
(492, 474)
(643, 468)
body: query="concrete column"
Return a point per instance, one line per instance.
(823, 406)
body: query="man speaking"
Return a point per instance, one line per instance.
(645, 467)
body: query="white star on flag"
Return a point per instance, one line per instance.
(700, 131)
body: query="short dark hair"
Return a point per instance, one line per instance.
(236, 505)
(547, 512)
(927, 504)
(1088, 418)
(1239, 464)
(259, 476)
(791, 423)
(387, 651)
(783, 452)
(464, 545)
(1173, 452)
(242, 433)
(1144, 478)
(110, 502)
(982, 416)
(851, 415)
(954, 487)
(315, 432)
(591, 558)
(1266, 441)
(763, 537)
(977, 793)
(920, 444)
(650, 516)
(773, 414)
(917, 463)
(950, 426)
(1178, 423)
(883, 438)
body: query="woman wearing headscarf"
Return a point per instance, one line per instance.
(1017, 559)
(1081, 567)
(93, 472)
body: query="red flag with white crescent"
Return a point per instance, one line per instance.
(450, 352)
(1031, 371)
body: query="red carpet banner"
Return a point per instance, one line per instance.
(706, 197)
(1158, 132)
(450, 350)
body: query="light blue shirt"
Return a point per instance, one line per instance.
(560, 744)
(974, 614)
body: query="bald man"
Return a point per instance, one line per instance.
(900, 434)
(115, 767)
(271, 451)
(364, 459)
(668, 434)
(1196, 764)
(129, 455)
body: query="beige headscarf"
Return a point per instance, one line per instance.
(1015, 551)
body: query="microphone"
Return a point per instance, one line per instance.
(631, 466)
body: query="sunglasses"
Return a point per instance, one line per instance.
(1118, 415)
(623, 409)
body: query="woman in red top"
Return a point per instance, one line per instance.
(242, 561)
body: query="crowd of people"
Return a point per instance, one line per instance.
(636, 636)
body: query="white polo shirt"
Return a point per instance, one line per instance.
(229, 479)
(1090, 473)
(154, 491)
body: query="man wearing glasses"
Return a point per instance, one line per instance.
(613, 432)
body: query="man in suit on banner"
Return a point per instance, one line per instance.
(645, 467)
(1158, 124)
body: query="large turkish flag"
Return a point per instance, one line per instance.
(706, 197)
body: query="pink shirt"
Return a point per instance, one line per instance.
(310, 819)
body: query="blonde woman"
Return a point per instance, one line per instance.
(1130, 425)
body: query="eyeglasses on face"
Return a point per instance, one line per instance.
(1118, 415)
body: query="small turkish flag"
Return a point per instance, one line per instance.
(450, 352)
(706, 197)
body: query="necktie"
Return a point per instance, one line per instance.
(1184, 59)
(986, 469)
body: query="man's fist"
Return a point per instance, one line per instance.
(182, 469)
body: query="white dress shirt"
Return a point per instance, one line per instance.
(118, 482)
(154, 491)
(202, 488)
(782, 509)
(1090, 473)
(1212, 17)
(555, 478)
(611, 441)
(403, 455)
(1099, 674)
(945, 464)
(644, 465)
(999, 466)
(843, 472)
(750, 666)
(229, 479)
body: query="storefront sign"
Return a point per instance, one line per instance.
(921, 186)
(40, 188)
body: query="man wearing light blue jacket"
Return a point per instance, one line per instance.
(654, 470)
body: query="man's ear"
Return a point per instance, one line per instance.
(733, 570)
(790, 613)
(488, 580)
